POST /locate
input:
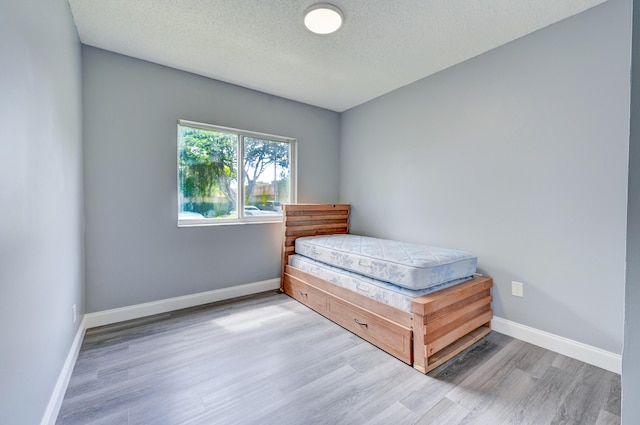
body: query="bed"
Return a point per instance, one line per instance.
(421, 330)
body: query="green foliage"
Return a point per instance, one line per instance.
(258, 155)
(207, 169)
(209, 209)
(207, 164)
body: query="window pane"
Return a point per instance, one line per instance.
(207, 173)
(266, 176)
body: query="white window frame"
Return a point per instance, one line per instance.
(240, 203)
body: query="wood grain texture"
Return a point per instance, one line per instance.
(373, 326)
(300, 220)
(432, 305)
(441, 324)
(385, 310)
(267, 359)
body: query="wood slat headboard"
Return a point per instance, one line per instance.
(311, 220)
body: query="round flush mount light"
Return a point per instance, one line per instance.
(323, 18)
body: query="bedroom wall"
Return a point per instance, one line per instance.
(41, 231)
(135, 251)
(520, 156)
(631, 352)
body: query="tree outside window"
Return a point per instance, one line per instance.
(208, 179)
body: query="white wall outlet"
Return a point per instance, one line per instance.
(75, 316)
(517, 289)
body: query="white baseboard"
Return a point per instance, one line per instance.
(577, 350)
(106, 317)
(574, 349)
(115, 315)
(55, 401)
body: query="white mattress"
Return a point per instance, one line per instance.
(403, 264)
(395, 296)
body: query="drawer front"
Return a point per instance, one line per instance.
(387, 335)
(383, 333)
(307, 295)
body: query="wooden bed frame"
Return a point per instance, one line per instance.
(440, 326)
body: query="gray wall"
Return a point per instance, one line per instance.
(41, 273)
(520, 156)
(135, 253)
(631, 358)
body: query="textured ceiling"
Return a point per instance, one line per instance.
(263, 45)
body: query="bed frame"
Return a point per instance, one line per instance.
(440, 326)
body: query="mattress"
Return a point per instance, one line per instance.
(393, 295)
(408, 265)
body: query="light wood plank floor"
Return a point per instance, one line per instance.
(266, 359)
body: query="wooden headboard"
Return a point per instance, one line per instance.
(311, 220)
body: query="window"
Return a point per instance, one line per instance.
(210, 188)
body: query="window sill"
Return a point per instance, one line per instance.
(207, 223)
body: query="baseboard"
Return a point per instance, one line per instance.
(106, 317)
(574, 349)
(577, 350)
(53, 408)
(115, 315)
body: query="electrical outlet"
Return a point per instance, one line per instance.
(73, 309)
(517, 289)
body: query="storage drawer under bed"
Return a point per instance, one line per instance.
(385, 334)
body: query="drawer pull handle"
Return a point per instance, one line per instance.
(304, 294)
(360, 323)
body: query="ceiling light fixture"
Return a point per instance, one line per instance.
(323, 18)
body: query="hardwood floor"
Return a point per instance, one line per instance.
(266, 359)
